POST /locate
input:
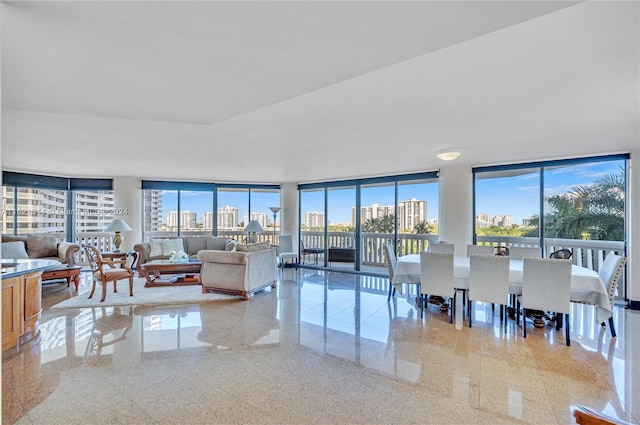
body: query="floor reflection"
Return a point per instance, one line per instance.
(330, 341)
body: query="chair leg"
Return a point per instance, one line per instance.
(131, 286)
(612, 328)
(392, 291)
(505, 316)
(470, 311)
(93, 289)
(453, 307)
(104, 290)
(524, 322)
(566, 329)
(422, 303)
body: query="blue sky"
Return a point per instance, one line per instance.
(517, 195)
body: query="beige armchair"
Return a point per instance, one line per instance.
(239, 273)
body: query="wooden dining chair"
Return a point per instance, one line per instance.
(489, 282)
(436, 278)
(546, 286)
(107, 270)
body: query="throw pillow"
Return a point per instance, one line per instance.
(169, 245)
(231, 245)
(42, 246)
(253, 247)
(14, 250)
(156, 248)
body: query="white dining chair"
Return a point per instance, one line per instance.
(489, 282)
(436, 278)
(546, 285)
(286, 252)
(441, 247)
(479, 250)
(392, 263)
(610, 272)
(519, 252)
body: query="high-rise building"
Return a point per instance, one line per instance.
(507, 221)
(228, 218)
(261, 217)
(187, 219)
(313, 219)
(207, 221)
(36, 210)
(152, 210)
(93, 210)
(409, 214)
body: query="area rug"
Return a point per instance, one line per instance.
(157, 295)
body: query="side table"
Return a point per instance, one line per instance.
(122, 255)
(70, 273)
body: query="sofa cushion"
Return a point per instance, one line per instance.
(156, 247)
(217, 242)
(169, 245)
(196, 244)
(252, 247)
(14, 250)
(40, 246)
(15, 238)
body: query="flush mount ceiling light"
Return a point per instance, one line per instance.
(448, 154)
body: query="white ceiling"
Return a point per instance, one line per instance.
(272, 92)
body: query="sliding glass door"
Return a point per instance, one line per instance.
(341, 222)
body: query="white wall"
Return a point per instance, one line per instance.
(128, 198)
(455, 208)
(289, 214)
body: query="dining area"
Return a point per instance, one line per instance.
(516, 281)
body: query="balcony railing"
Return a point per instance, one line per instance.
(586, 253)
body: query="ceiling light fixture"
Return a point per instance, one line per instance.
(448, 154)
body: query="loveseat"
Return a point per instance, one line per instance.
(238, 272)
(38, 246)
(159, 249)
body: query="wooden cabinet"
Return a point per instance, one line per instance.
(21, 307)
(11, 311)
(32, 290)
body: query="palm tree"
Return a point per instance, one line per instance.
(589, 211)
(423, 228)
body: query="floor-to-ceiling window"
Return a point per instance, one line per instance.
(67, 208)
(341, 227)
(312, 225)
(198, 209)
(361, 216)
(574, 204)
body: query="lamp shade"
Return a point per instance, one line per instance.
(118, 225)
(274, 210)
(253, 227)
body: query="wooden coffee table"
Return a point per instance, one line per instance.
(166, 273)
(70, 273)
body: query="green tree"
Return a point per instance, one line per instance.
(589, 211)
(423, 228)
(384, 224)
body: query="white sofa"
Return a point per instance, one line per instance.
(239, 273)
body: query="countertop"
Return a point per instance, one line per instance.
(13, 268)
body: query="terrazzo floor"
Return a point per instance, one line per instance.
(324, 347)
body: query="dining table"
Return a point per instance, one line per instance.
(586, 284)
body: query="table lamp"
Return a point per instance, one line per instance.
(118, 225)
(253, 228)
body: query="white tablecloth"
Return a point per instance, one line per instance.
(586, 284)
